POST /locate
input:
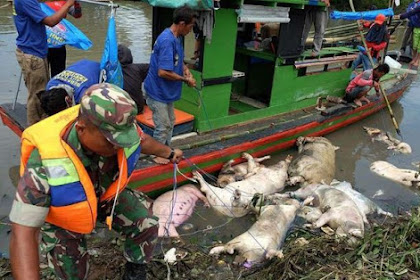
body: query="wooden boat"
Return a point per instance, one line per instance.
(249, 100)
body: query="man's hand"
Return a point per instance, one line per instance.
(376, 85)
(177, 156)
(190, 81)
(327, 2)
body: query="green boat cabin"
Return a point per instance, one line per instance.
(239, 82)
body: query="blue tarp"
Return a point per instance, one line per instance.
(196, 4)
(366, 15)
(65, 33)
(111, 71)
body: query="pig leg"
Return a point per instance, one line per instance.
(296, 179)
(323, 220)
(261, 159)
(222, 249)
(252, 165)
(274, 253)
(227, 168)
(204, 185)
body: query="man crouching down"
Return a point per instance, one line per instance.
(72, 166)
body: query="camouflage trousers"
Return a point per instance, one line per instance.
(66, 251)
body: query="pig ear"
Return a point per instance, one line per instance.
(336, 148)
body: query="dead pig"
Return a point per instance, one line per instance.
(315, 162)
(233, 200)
(338, 209)
(406, 177)
(266, 236)
(364, 204)
(229, 174)
(174, 207)
(385, 137)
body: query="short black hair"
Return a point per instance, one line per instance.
(185, 14)
(384, 68)
(53, 100)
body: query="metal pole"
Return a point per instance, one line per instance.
(108, 4)
(17, 92)
(391, 113)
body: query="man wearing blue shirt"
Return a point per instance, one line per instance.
(167, 71)
(67, 87)
(32, 48)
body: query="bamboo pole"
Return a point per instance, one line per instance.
(391, 113)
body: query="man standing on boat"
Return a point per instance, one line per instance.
(318, 16)
(73, 166)
(166, 74)
(32, 48)
(376, 40)
(413, 14)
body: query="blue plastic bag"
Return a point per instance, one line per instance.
(366, 15)
(111, 71)
(65, 33)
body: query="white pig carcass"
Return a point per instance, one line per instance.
(265, 237)
(406, 177)
(233, 200)
(338, 210)
(364, 204)
(229, 174)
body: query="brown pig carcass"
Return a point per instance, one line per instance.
(233, 200)
(315, 162)
(174, 207)
(266, 235)
(229, 174)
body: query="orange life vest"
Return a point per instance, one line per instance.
(73, 199)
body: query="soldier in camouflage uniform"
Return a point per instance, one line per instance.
(107, 112)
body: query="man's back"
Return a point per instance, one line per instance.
(32, 36)
(80, 76)
(133, 74)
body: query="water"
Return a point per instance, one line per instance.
(133, 27)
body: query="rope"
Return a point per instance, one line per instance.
(111, 216)
(204, 107)
(208, 175)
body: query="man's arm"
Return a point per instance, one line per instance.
(29, 209)
(24, 252)
(172, 76)
(59, 15)
(150, 146)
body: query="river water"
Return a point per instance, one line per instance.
(133, 20)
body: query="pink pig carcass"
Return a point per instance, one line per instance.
(174, 214)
